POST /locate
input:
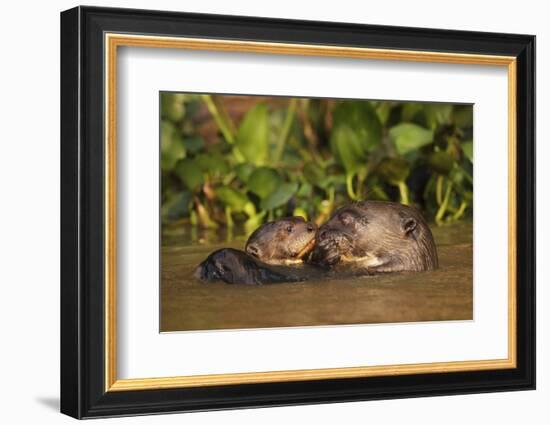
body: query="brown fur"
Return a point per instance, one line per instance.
(376, 236)
(284, 241)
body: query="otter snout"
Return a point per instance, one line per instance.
(330, 246)
(326, 234)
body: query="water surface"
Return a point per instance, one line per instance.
(187, 304)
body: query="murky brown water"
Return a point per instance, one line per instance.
(187, 304)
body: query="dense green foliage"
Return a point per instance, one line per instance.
(309, 156)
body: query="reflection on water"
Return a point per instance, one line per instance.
(187, 304)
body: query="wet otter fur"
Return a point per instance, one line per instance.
(267, 252)
(237, 267)
(375, 237)
(284, 241)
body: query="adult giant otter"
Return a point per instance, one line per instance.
(374, 237)
(274, 244)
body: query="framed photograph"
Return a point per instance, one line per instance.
(261, 212)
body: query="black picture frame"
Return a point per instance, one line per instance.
(83, 392)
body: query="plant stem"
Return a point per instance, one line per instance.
(465, 173)
(460, 212)
(239, 157)
(229, 235)
(228, 178)
(377, 190)
(204, 219)
(326, 207)
(281, 141)
(331, 193)
(221, 119)
(439, 190)
(349, 187)
(361, 177)
(443, 206)
(228, 218)
(403, 192)
(309, 132)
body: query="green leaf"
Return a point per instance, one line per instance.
(377, 193)
(438, 113)
(333, 180)
(263, 181)
(393, 170)
(314, 174)
(249, 209)
(171, 146)
(300, 212)
(468, 149)
(305, 190)
(280, 196)
(167, 131)
(468, 196)
(383, 110)
(254, 222)
(457, 176)
(441, 162)
(356, 132)
(190, 173)
(193, 144)
(348, 148)
(463, 116)
(212, 163)
(231, 198)
(253, 135)
(172, 106)
(244, 171)
(361, 118)
(410, 110)
(176, 206)
(408, 137)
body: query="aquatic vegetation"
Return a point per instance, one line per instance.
(242, 160)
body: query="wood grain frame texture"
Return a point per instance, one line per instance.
(89, 41)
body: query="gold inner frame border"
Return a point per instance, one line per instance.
(113, 41)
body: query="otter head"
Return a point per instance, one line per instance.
(283, 241)
(376, 236)
(237, 267)
(225, 264)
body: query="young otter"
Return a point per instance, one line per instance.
(283, 241)
(374, 237)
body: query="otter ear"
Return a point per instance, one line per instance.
(408, 225)
(345, 218)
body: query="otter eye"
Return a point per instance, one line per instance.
(290, 229)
